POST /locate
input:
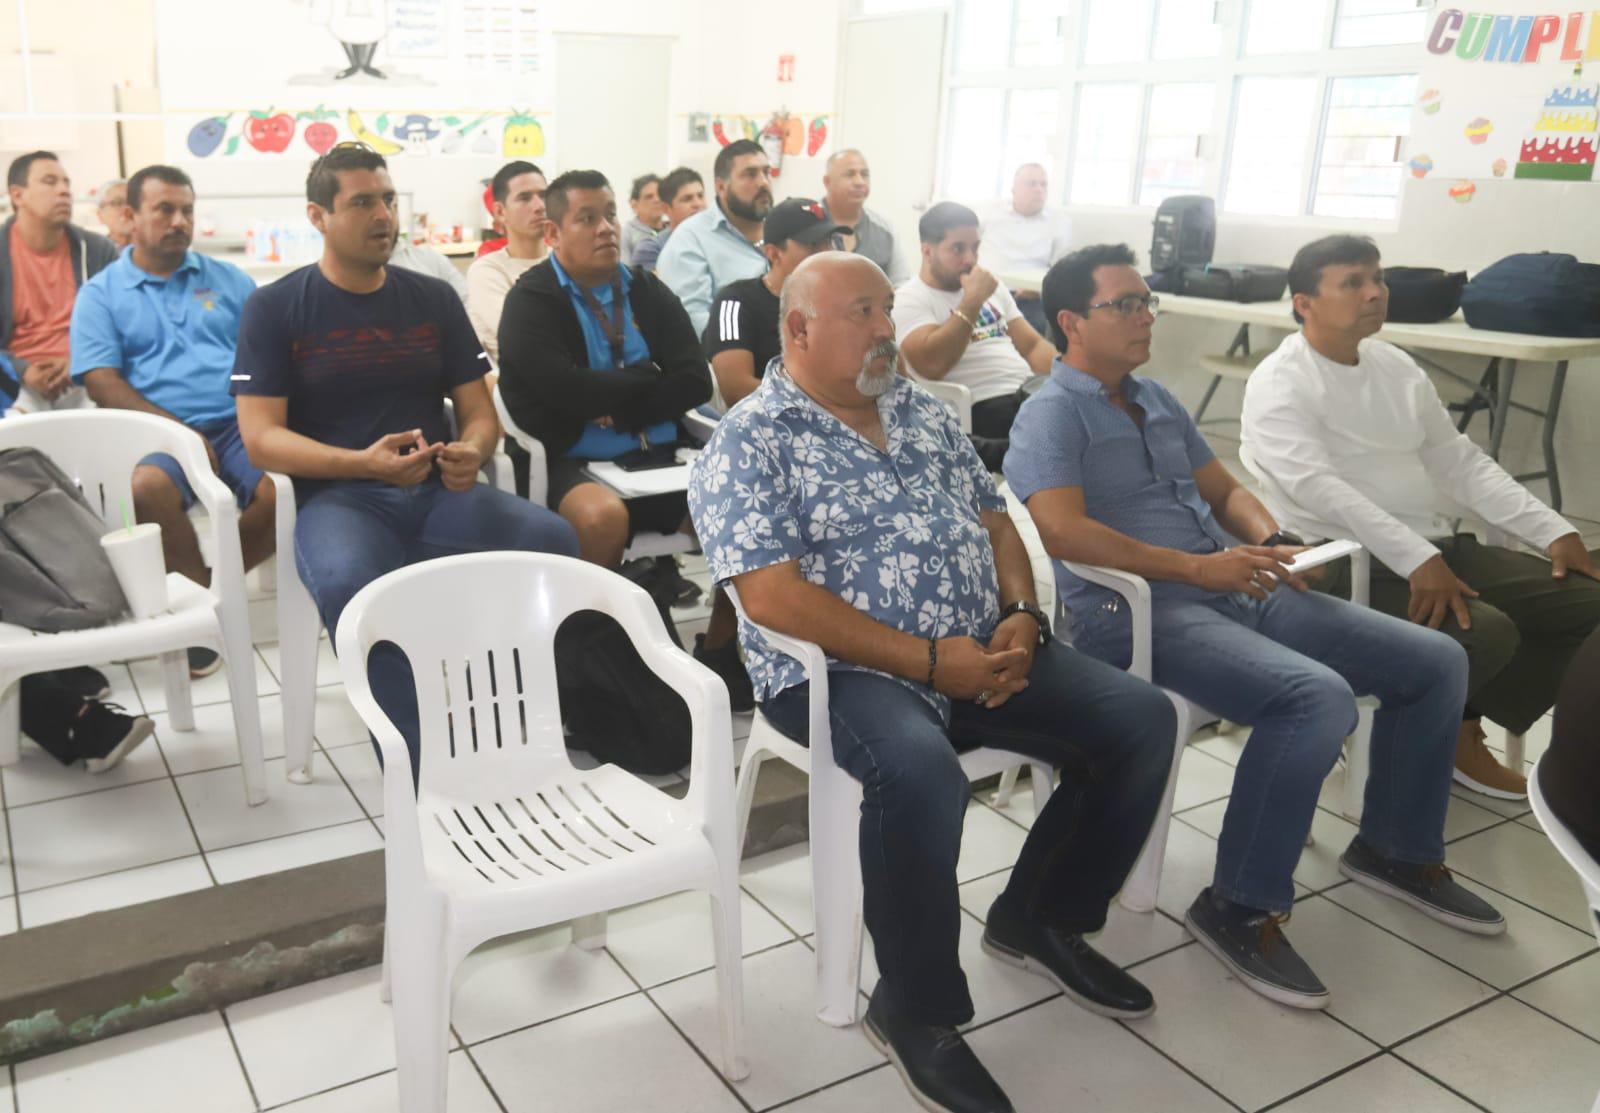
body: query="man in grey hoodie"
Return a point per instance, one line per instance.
(44, 258)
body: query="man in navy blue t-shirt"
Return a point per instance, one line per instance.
(341, 376)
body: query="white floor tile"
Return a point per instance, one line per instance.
(359, 767)
(114, 890)
(337, 723)
(100, 832)
(211, 689)
(1385, 1083)
(1201, 779)
(572, 1064)
(1524, 864)
(1507, 809)
(1203, 1014)
(879, 1090)
(313, 1037)
(1381, 986)
(790, 1051)
(781, 881)
(1571, 995)
(671, 937)
(186, 1066)
(1532, 943)
(38, 776)
(989, 842)
(1128, 937)
(292, 851)
(526, 979)
(1554, 1069)
(1059, 1057)
(216, 804)
(214, 742)
(1464, 818)
(327, 663)
(467, 1093)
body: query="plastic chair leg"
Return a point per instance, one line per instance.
(239, 660)
(836, 898)
(11, 723)
(1140, 890)
(421, 982)
(1515, 747)
(1008, 785)
(725, 937)
(589, 932)
(180, 701)
(298, 624)
(745, 792)
(385, 986)
(1358, 760)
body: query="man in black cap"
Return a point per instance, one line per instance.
(741, 335)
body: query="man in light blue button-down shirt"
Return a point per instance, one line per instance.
(723, 243)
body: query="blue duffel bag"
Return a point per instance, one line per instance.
(1547, 294)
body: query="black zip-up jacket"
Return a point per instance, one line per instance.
(545, 379)
(90, 251)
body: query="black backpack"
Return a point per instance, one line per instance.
(1423, 295)
(54, 575)
(612, 705)
(1547, 294)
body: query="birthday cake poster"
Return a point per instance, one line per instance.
(1509, 91)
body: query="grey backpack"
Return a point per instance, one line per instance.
(53, 574)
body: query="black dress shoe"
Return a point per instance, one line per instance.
(934, 1062)
(1083, 973)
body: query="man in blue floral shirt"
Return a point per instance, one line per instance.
(847, 508)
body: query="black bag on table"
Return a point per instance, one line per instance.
(1235, 282)
(1544, 294)
(1423, 295)
(1185, 233)
(54, 575)
(612, 705)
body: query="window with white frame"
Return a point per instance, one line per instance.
(1039, 33)
(1364, 129)
(1285, 26)
(1186, 29)
(976, 143)
(1379, 22)
(1106, 142)
(1267, 163)
(1176, 126)
(1033, 126)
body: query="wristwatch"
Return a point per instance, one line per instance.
(1281, 537)
(1031, 610)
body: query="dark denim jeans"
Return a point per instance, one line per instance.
(1109, 733)
(347, 535)
(1291, 668)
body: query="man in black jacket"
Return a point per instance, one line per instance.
(597, 360)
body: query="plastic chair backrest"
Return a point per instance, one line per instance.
(100, 448)
(1568, 846)
(512, 429)
(479, 633)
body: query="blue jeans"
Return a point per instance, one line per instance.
(1109, 733)
(1291, 667)
(348, 534)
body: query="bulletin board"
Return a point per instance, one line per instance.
(411, 78)
(1508, 90)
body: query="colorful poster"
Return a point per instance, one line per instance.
(1512, 91)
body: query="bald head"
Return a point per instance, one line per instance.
(846, 180)
(837, 334)
(1029, 189)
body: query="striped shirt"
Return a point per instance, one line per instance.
(744, 317)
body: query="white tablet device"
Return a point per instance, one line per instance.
(1322, 554)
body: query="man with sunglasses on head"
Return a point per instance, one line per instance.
(342, 372)
(1115, 473)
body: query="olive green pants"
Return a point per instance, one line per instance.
(1526, 625)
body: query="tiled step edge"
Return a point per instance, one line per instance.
(112, 972)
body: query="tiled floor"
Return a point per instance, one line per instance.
(1423, 1018)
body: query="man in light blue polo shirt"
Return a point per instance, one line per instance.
(156, 332)
(723, 243)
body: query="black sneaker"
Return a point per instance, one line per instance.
(103, 735)
(203, 662)
(684, 590)
(934, 1062)
(1251, 944)
(725, 663)
(1430, 889)
(84, 681)
(1083, 973)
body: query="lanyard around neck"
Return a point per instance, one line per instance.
(612, 327)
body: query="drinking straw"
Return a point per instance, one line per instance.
(127, 518)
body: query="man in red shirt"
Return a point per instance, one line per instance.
(44, 258)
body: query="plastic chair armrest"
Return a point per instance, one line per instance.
(1135, 590)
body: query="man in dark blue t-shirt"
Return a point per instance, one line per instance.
(341, 376)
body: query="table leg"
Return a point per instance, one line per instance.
(1502, 408)
(1482, 398)
(1552, 411)
(1241, 342)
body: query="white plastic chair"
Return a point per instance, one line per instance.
(954, 395)
(99, 449)
(300, 624)
(644, 543)
(1139, 891)
(835, 817)
(503, 834)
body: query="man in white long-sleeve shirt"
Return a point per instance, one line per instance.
(1350, 439)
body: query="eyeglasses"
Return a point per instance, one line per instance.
(1133, 303)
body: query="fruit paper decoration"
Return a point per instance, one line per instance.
(373, 139)
(415, 131)
(206, 136)
(269, 132)
(522, 137)
(319, 134)
(721, 132)
(794, 135)
(819, 135)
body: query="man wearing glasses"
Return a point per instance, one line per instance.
(1115, 473)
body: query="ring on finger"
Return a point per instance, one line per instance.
(983, 696)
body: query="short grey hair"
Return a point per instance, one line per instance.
(827, 167)
(108, 187)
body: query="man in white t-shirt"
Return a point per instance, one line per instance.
(1026, 236)
(955, 322)
(518, 192)
(1350, 440)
